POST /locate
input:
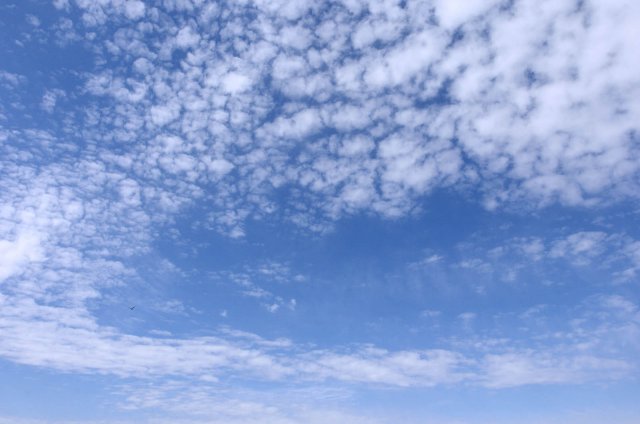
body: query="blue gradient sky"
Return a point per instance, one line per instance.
(324, 212)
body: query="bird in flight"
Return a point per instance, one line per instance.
(132, 307)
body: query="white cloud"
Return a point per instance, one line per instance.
(403, 62)
(33, 20)
(615, 254)
(164, 114)
(509, 370)
(452, 13)
(18, 253)
(187, 37)
(49, 100)
(61, 4)
(134, 9)
(581, 245)
(11, 79)
(236, 83)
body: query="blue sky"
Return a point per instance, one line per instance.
(324, 212)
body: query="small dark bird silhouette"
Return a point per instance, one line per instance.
(132, 307)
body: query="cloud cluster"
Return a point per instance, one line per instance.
(617, 252)
(367, 106)
(490, 261)
(254, 282)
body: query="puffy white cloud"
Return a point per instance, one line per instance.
(583, 244)
(18, 253)
(235, 83)
(187, 37)
(452, 13)
(134, 9)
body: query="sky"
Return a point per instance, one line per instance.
(349, 211)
